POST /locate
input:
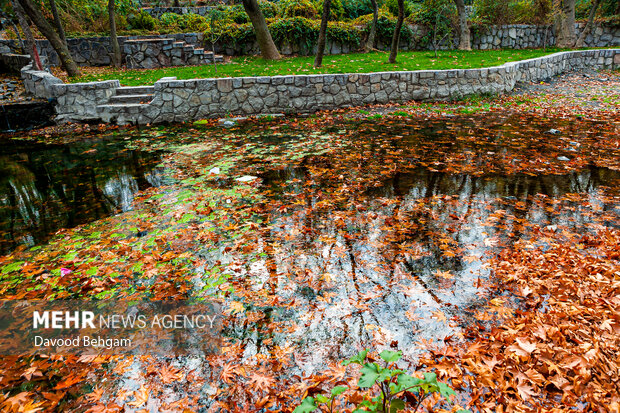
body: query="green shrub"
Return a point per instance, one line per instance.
(427, 11)
(367, 18)
(237, 14)
(386, 23)
(184, 22)
(531, 11)
(81, 16)
(297, 8)
(268, 8)
(343, 32)
(296, 30)
(494, 11)
(193, 22)
(142, 21)
(392, 6)
(439, 17)
(610, 11)
(125, 7)
(353, 9)
(170, 20)
(336, 9)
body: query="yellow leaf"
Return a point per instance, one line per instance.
(141, 397)
(236, 307)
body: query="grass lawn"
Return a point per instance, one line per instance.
(346, 63)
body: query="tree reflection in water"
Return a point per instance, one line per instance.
(376, 258)
(44, 188)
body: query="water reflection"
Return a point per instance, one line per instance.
(44, 188)
(380, 240)
(390, 263)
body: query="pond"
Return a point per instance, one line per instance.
(320, 241)
(45, 188)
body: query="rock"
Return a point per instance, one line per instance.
(226, 123)
(563, 158)
(215, 170)
(246, 178)
(512, 32)
(270, 115)
(230, 122)
(553, 131)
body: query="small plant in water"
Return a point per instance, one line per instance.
(375, 116)
(391, 387)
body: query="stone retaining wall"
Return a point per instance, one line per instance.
(166, 52)
(39, 83)
(13, 63)
(94, 51)
(522, 36)
(76, 101)
(79, 101)
(187, 100)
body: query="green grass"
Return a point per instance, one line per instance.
(349, 63)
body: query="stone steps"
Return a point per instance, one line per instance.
(121, 113)
(122, 107)
(195, 55)
(151, 53)
(145, 98)
(135, 90)
(130, 95)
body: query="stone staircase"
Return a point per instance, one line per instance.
(182, 53)
(127, 100)
(156, 53)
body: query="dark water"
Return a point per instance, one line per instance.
(44, 188)
(25, 116)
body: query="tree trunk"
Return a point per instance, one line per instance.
(116, 49)
(588, 27)
(396, 37)
(464, 41)
(565, 23)
(371, 43)
(268, 48)
(320, 48)
(57, 22)
(31, 45)
(48, 31)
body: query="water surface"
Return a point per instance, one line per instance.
(44, 188)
